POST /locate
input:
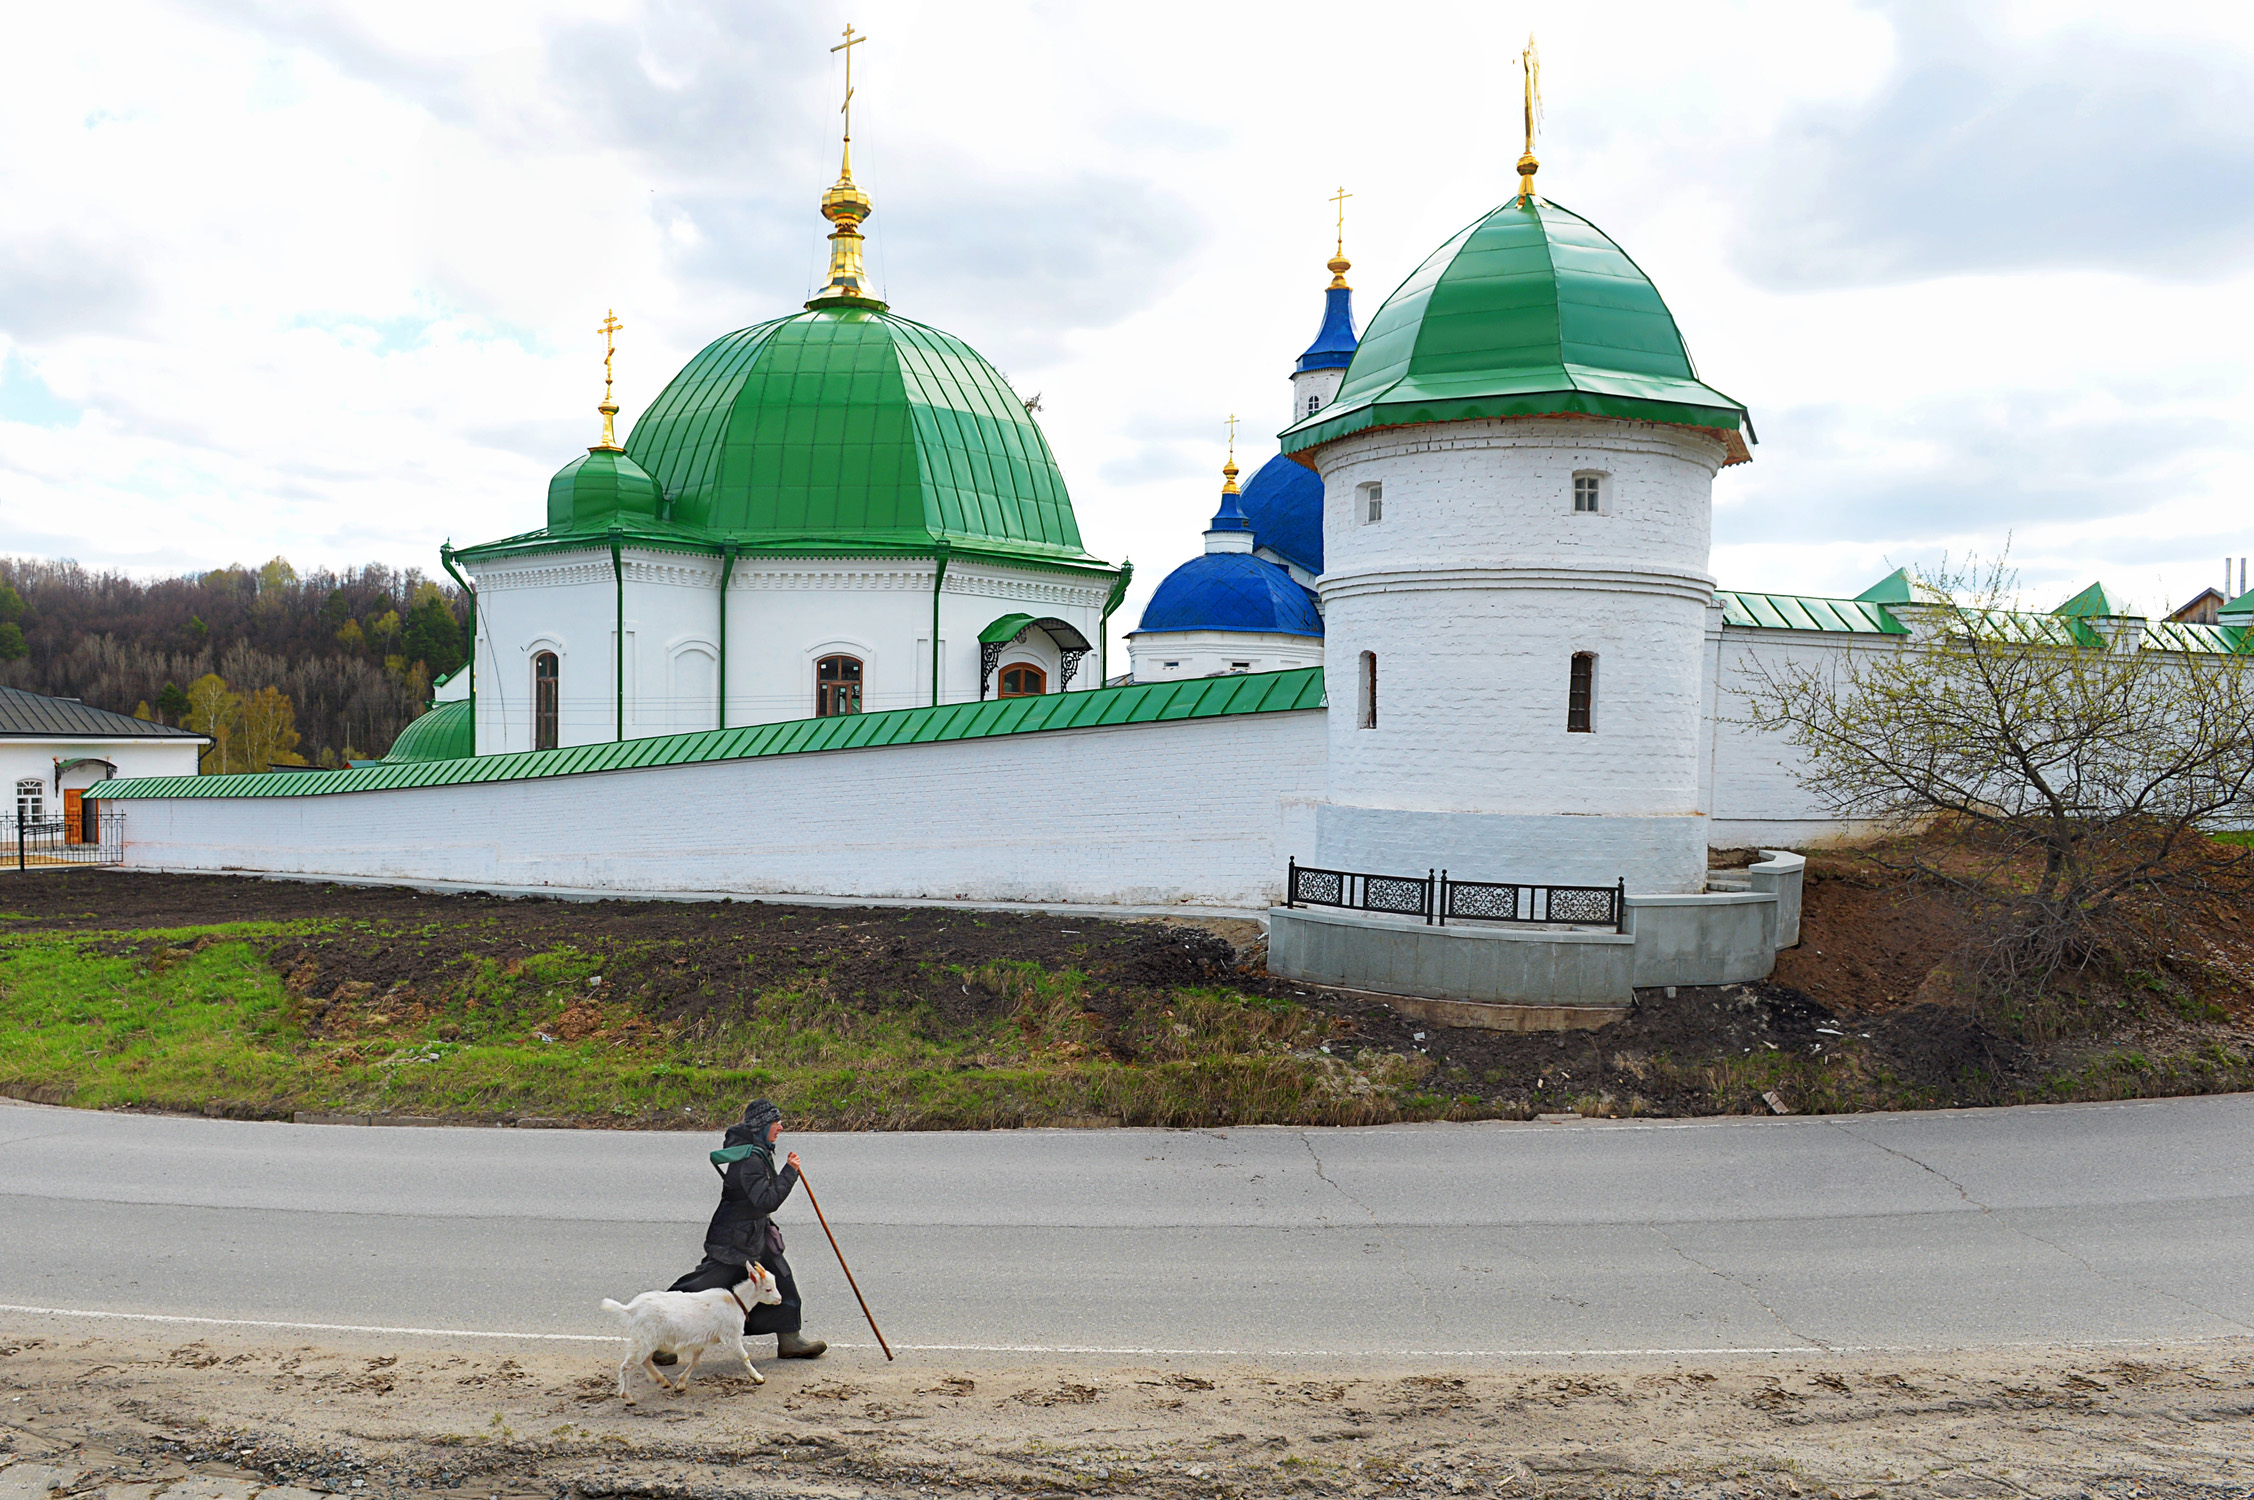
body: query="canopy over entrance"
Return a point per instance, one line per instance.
(1010, 630)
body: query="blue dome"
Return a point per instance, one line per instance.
(1231, 591)
(1333, 348)
(1284, 502)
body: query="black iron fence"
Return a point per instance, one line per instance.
(1439, 899)
(41, 843)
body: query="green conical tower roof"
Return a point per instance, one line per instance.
(1530, 311)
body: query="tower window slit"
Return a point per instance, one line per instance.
(545, 685)
(1581, 694)
(1369, 690)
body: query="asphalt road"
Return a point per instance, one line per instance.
(1962, 1229)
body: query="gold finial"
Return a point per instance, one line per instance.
(1229, 469)
(609, 329)
(1339, 264)
(845, 205)
(1530, 63)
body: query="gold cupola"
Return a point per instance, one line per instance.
(846, 206)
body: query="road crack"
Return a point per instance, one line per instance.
(1424, 1295)
(1740, 1283)
(2029, 1235)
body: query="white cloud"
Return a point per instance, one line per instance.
(322, 280)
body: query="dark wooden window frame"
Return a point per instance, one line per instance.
(840, 692)
(1040, 677)
(547, 701)
(1581, 694)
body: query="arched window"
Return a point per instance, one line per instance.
(1581, 694)
(1023, 681)
(546, 697)
(1314, 404)
(31, 800)
(837, 686)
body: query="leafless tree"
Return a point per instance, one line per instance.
(2065, 775)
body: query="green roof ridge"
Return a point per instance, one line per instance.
(1135, 703)
(2088, 604)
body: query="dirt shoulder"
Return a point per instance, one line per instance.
(380, 1416)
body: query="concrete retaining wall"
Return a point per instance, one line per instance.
(1402, 956)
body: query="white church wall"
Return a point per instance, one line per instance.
(1312, 390)
(1126, 815)
(33, 760)
(1473, 592)
(1168, 655)
(784, 614)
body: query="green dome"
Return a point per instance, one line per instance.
(1530, 311)
(600, 489)
(447, 732)
(846, 429)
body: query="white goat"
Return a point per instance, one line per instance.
(691, 1323)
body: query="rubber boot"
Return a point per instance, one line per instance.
(798, 1346)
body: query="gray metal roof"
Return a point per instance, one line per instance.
(34, 716)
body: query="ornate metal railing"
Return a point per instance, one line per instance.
(35, 843)
(1402, 895)
(1493, 901)
(1437, 898)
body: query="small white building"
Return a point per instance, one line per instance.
(52, 750)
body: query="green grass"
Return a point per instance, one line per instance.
(196, 1020)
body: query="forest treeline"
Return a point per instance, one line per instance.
(280, 667)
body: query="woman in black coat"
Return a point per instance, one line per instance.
(742, 1230)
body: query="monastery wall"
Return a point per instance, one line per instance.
(1754, 796)
(1197, 812)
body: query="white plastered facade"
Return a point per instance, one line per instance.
(1170, 655)
(1471, 595)
(783, 616)
(25, 758)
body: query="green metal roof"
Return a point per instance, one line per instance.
(1902, 587)
(1530, 311)
(2089, 603)
(447, 732)
(600, 488)
(842, 429)
(1802, 612)
(1139, 703)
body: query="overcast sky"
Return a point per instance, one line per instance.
(322, 280)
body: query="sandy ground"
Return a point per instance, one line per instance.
(215, 1414)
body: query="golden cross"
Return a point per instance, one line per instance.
(851, 41)
(609, 329)
(1340, 198)
(1232, 437)
(1530, 63)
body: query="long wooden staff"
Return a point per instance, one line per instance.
(848, 1270)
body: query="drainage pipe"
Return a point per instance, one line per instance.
(618, 636)
(446, 560)
(938, 577)
(727, 570)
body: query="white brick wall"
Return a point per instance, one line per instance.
(1201, 812)
(1475, 590)
(783, 614)
(1757, 800)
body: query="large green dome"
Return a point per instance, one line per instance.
(842, 430)
(1530, 311)
(845, 427)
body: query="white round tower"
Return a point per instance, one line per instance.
(1517, 489)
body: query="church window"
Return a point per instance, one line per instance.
(1314, 405)
(1588, 494)
(1581, 694)
(1370, 500)
(1170, 665)
(1369, 690)
(31, 800)
(1240, 666)
(1023, 681)
(837, 686)
(546, 701)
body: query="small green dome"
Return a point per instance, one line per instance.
(1530, 311)
(447, 732)
(847, 429)
(602, 489)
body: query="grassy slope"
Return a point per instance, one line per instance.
(195, 1019)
